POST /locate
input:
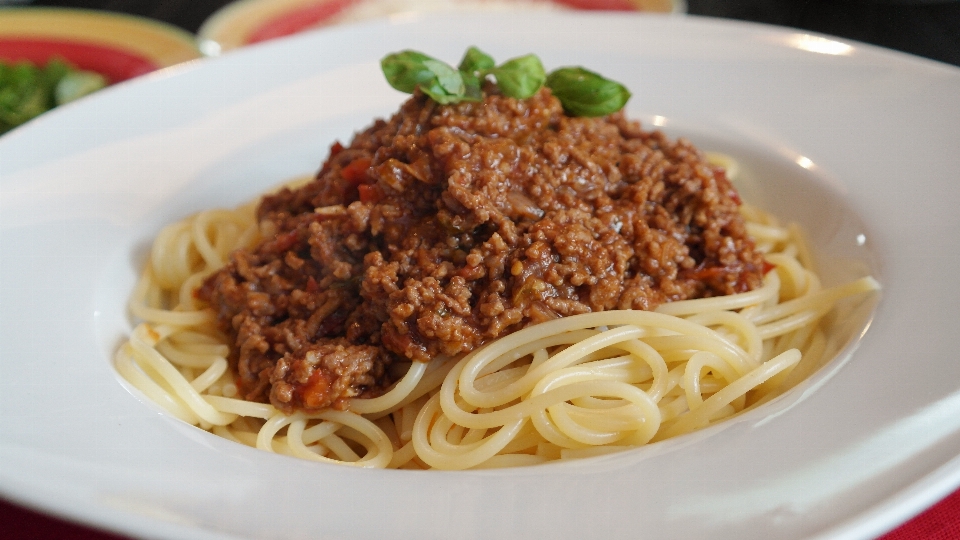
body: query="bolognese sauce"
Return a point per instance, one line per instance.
(447, 226)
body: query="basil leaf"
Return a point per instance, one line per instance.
(440, 94)
(520, 77)
(582, 92)
(472, 88)
(585, 93)
(406, 70)
(474, 68)
(475, 61)
(448, 78)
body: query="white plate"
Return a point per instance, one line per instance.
(857, 143)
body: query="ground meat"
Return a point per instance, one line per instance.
(449, 226)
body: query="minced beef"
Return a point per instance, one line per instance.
(448, 226)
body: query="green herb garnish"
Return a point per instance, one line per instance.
(521, 77)
(585, 93)
(473, 68)
(582, 92)
(27, 90)
(475, 60)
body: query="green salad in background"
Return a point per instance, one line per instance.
(28, 90)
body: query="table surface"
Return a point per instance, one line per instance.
(929, 28)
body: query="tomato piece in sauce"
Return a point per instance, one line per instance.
(369, 193)
(356, 171)
(314, 394)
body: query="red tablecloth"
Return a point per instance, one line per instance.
(941, 522)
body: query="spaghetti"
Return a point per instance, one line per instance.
(573, 387)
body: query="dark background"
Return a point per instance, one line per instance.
(929, 28)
